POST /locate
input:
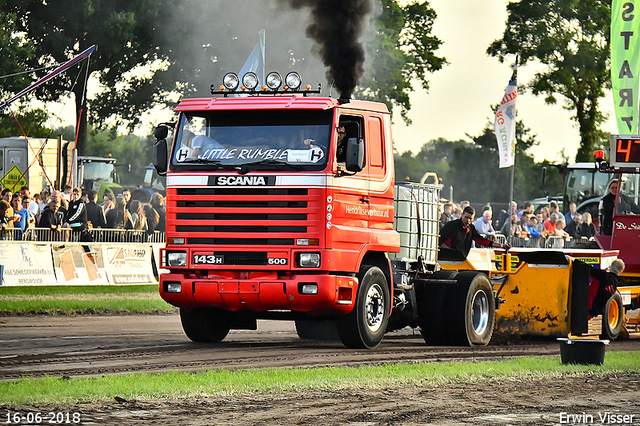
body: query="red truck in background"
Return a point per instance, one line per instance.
(623, 232)
(265, 222)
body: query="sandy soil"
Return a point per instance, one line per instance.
(524, 402)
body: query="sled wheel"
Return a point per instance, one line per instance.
(365, 325)
(205, 325)
(613, 317)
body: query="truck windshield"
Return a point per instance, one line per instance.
(257, 139)
(98, 171)
(583, 184)
(629, 197)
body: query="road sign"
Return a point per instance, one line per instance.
(13, 179)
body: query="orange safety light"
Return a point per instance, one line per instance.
(221, 88)
(598, 155)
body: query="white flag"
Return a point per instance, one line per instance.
(255, 61)
(505, 124)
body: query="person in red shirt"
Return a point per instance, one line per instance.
(550, 224)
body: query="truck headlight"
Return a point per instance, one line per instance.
(274, 80)
(293, 80)
(309, 260)
(177, 259)
(250, 80)
(172, 287)
(231, 81)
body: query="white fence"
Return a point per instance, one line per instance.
(98, 235)
(74, 263)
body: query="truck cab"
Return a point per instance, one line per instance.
(264, 222)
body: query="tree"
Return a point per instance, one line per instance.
(14, 49)
(485, 182)
(31, 121)
(57, 30)
(149, 50)
(571, 39)
(402, 50)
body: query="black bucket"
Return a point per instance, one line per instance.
(582, 351)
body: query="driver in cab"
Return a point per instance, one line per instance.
(196, 146)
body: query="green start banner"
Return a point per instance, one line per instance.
(625, 65)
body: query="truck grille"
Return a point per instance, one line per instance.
(245, 217)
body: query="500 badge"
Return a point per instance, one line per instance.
(277, 261)
(209, 259)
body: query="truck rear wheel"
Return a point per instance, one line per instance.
(613, 317)
(365, 325)
(431, 309)
(205, 325)
(471, 310)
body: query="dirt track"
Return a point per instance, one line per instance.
(96, 345)
(77, 346)
(530, 402)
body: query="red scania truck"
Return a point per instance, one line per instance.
(264, 221)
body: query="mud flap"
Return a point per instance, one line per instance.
(579, 314)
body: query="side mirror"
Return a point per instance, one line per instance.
(160, 149)
(355, 155)
(161, 132)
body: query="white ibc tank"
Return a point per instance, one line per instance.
(416, 220)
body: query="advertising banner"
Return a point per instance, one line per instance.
(27, 264)
(79, 264)
(625, 65)
(128, 264)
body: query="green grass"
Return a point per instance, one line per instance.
(73, 300)
(51, 390)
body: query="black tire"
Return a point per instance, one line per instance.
(470, 310)
(432, 305)
(365, 325)
(205, 325)
(317, 330)
(613, 317)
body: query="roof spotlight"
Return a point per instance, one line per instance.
(274, 80)
(231, 81)
(250, 80)
(293, 80)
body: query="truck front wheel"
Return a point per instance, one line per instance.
(365, 326)
(612, 317)
(471, 310)
(205, 325)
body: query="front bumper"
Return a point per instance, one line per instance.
(335, 294)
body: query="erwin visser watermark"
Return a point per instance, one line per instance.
(601, 418)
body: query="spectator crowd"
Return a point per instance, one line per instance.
(71, 215)
(548, 228)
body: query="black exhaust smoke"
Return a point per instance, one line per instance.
(336, 27)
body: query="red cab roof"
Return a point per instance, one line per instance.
(275, 102)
